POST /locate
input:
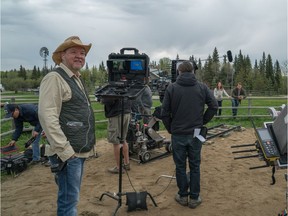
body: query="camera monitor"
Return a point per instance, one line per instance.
(134, 67)
(280, 131)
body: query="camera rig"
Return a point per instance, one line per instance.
(134, 67)
(126, 74)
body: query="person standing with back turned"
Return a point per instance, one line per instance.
(183, 114)
(67, 118)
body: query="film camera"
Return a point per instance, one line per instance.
(134, 67)
(126, 74)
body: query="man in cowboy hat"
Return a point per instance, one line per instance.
(67, 118)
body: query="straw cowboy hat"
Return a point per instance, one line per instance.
(68, 43)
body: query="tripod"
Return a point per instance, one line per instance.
(120, 93)
(119, 194)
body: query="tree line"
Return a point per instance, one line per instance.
(264, 75)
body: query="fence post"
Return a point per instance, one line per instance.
(249, 106)
(13, 101)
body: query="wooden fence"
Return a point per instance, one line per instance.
(249, 108)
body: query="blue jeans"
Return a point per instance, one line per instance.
(186, 146)
(69, 184)
(220, 106)
(235, 104)
(36, 148)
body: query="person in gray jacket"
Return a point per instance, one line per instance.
(183, 114)
(143, 103)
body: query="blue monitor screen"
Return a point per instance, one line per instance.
(136, 65)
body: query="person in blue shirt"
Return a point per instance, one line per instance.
(25, 113)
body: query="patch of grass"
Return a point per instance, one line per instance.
(101, 128)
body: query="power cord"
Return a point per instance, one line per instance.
(171, 178)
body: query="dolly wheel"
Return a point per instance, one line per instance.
(145, 156)
(168, 147)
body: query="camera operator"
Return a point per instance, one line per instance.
(113, 111)
(143, 103)
(183, 116)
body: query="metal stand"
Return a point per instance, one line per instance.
(119, 195)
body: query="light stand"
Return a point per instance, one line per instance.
(119, 194)
(120, 92)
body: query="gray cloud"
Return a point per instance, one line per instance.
(162, 28)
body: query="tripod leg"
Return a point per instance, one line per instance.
(118, 206)
(113, 196)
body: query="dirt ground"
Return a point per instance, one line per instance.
(228, 187)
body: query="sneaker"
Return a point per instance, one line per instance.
(193, 203)
(47, 164)
(34, 162)
(114, 170)
(181, 200)
(126, 166)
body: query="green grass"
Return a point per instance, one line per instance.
(101, 128)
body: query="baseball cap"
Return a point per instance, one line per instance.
(9, 109)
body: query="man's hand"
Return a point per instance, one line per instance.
(34, 133)
(12, 142)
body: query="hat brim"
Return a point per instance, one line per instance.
(68, 44)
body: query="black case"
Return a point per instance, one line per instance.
(132, 67)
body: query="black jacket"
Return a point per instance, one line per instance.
(27, 113)
(113, 107)
(183, 107)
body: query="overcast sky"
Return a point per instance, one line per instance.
(159, 28)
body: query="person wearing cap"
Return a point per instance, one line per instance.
(184, 115)
(67, 117)
(22, 113)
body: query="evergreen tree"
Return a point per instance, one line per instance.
(22, 73)
(34, 73)
(278, 77)
(262, 64)
(208, 72)
(269, 70)
(215, 66)
(38, 72)
(102, 67)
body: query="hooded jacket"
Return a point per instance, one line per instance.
(183, 107)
